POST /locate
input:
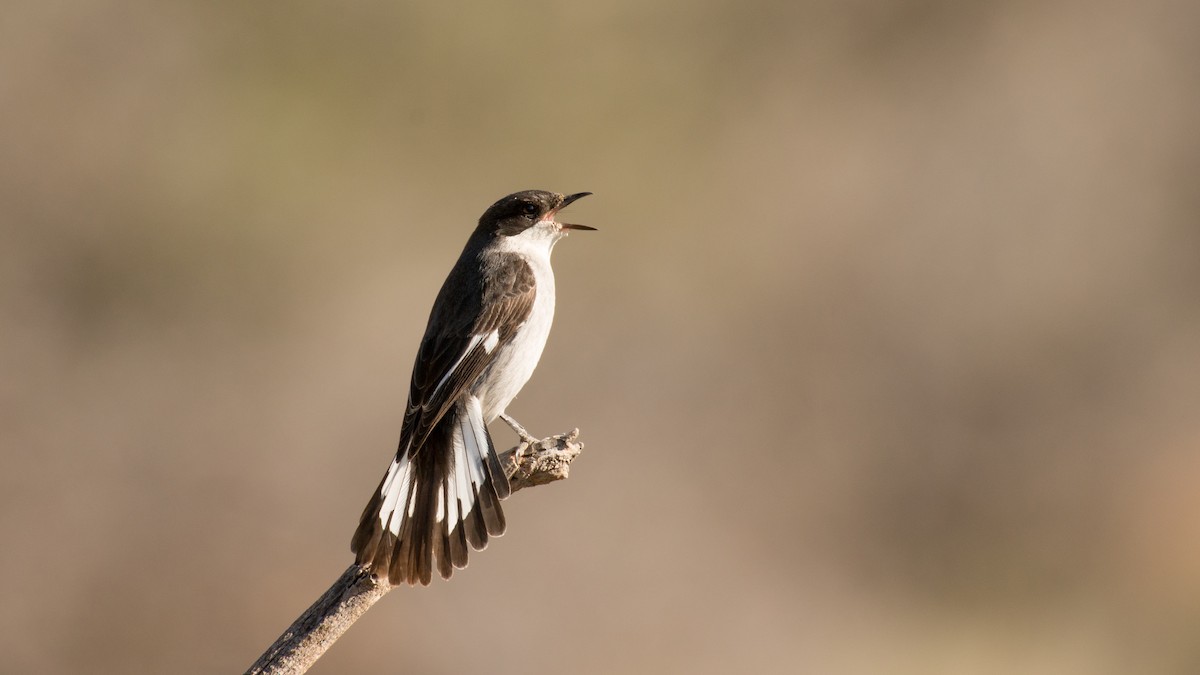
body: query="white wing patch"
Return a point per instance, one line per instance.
(489, 343)
(491, 340)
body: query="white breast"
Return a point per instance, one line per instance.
(516, 361)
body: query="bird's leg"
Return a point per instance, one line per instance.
(516, 426)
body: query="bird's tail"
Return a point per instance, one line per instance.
(434, 502)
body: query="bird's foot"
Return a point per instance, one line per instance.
(521, 432)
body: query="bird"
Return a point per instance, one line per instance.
(486, 332)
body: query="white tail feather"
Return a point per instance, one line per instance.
(469, 455)
(456, 496)
(395, 492)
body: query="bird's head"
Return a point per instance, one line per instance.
(530, 213)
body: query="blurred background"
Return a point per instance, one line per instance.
(885, 354)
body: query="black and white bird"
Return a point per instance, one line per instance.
(485, 335)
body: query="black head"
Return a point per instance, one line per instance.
(522, 210)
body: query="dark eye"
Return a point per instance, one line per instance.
(529, 209)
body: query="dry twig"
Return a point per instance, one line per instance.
(356, 591)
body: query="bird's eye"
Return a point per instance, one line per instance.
(529, 209)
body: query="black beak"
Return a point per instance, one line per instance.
(565, 202)
(570, 198)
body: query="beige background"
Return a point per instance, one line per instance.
(886, 354)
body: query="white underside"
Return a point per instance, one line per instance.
(516, 361)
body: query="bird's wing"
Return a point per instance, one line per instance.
(465, 333)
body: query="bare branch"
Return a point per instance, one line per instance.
(546, 461)
(354, 592)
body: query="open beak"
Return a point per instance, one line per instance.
(566, 201)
